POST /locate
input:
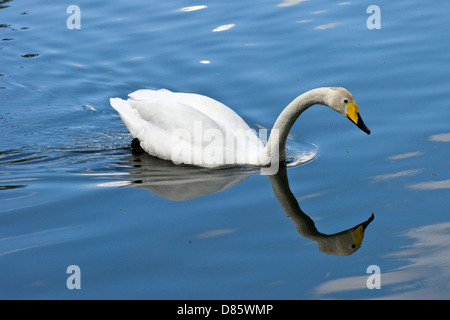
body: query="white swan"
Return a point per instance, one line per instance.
(195, 129)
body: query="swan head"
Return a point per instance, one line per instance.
(343, 102)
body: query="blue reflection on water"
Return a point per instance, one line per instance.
(65, 153)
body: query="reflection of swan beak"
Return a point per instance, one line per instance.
(358, 231)
(352, 113)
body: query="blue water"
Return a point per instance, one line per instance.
(72, 193)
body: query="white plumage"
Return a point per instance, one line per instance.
(188, 128)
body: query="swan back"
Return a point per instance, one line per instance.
(188, 128)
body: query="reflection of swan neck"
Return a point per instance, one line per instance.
(342, 243)
(287, 118)
(304, 224)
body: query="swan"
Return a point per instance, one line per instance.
(194, 129)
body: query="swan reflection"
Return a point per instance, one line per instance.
(181, 183)
(342, 243)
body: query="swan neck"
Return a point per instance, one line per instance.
(287, 118)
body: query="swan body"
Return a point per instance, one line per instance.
(194, 129)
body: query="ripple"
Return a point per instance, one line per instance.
(431, 185)
(389, 176)
(442, 137)
(224, 27)
(405, 155)
(192, 8)
(327, 26)
(299, 153)
(289, 3)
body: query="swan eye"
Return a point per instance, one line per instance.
(345, 101)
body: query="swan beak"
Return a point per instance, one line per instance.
(358, 231)
(352, 113)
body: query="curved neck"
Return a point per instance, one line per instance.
(304, 224)
(276, 145)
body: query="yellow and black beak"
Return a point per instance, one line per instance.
(352, 113)
(358, 231)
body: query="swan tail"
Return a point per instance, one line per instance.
(128, 114)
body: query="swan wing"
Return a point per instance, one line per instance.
(187, 128)
(217, 111)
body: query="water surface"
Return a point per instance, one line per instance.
(72, 192)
